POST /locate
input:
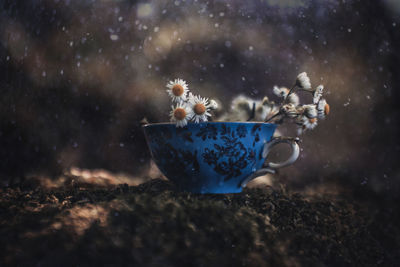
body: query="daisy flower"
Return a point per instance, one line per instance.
(283, 92)
(303, 81)
(306, 124)
(318, 93)
(310, 123)
(177, 90)
(242, 102)
(323, 108)
(264, 108)
(293, 98)
(280, 92)
(310, 111)
(290, 110)
(213, 104)
(240, 110)
(180, 114)
(199, 108)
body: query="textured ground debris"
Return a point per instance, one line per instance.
(153, 224)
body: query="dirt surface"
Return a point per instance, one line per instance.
(154, 225)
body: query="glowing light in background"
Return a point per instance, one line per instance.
(144, 10)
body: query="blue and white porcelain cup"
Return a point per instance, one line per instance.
(215, 157)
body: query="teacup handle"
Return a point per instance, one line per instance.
(271, 166)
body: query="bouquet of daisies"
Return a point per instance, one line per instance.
(191, 108)
(188, 107)
(305, 116)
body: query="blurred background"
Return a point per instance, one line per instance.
(76, 78)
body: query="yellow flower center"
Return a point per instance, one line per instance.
(199, 109)
(177, 90)
(312, 120)
(327, 109)
(179, 114)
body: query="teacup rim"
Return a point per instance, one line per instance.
(210, 122)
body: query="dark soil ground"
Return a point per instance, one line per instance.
(154, 225)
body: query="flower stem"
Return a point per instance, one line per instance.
(253, 112)
(270, 118)
(290, 91)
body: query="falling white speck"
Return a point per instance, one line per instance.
(120, 19)
(121, 144)
(71, 43)
(221, 14)
(44, 74)
(75, 145)
(78, 64)
(243, 78)
(114, 37)
(177, 3)
(149, 66)
(228, 43)
(156, 29)
(349, 30)
(8, 58)
(365, 181)
(221, 65)
(216, 25)
(251, 48)
(62, 72)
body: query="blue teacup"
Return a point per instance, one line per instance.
(215, 157)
